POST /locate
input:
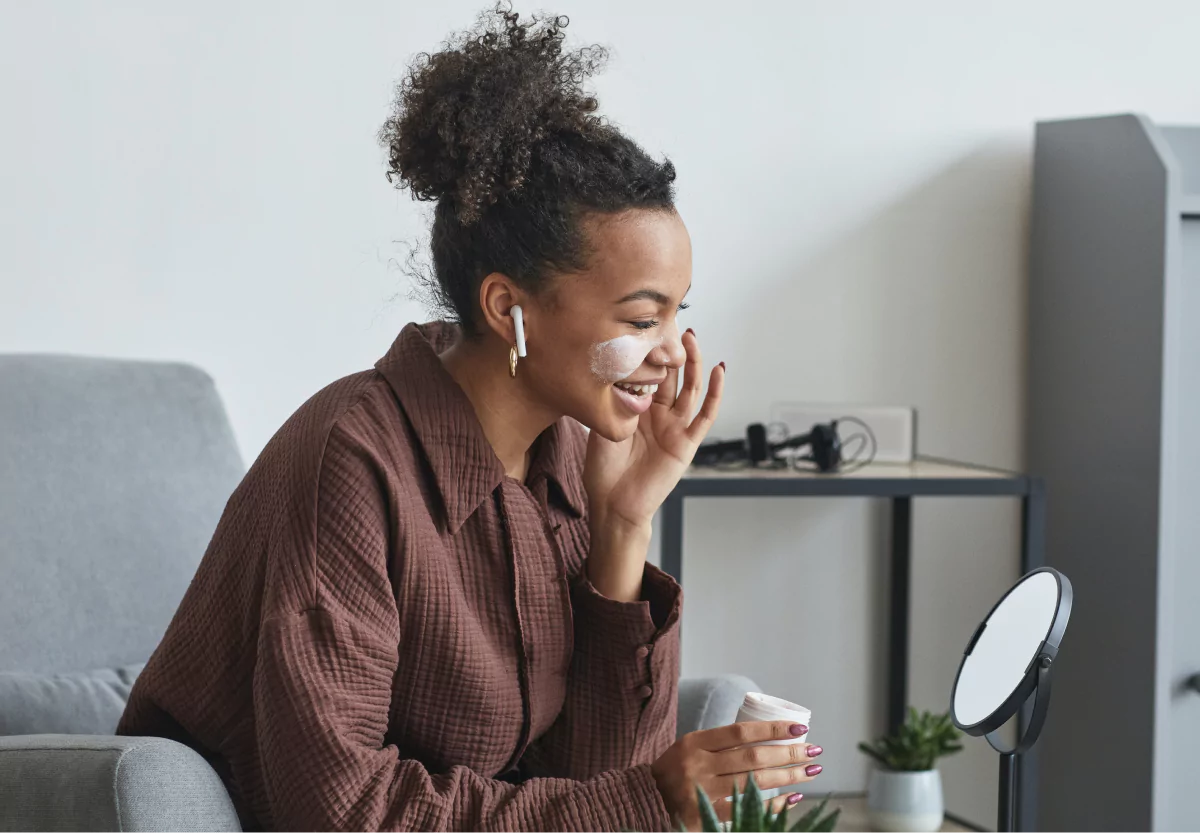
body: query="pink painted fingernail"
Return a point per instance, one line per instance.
(722, 365)
(814, 751)
(690, 330)
(812, 769)
(797, 729)
(794, 798)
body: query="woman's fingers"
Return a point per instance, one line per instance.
(754, 758)
(769, 779)
(704, 420)
(783, 801)
(751, 731)
(693, 365)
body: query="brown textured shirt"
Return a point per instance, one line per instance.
(388, 633)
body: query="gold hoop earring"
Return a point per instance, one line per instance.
(512, 362)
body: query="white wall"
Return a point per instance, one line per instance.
(201, 182)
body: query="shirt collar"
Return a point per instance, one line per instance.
(465, 467)
(558, 456)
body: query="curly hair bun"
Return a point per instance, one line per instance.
(468, 119)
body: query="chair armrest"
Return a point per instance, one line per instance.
(99, 782)
(708, 702)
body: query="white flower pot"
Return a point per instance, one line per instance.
(905, 801)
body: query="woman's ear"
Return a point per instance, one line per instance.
(497, 296)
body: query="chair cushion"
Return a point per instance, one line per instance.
(84, 703)
(113, 475)
(709, 702)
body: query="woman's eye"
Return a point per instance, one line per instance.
(646, 325)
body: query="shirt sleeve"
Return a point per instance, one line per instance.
(622, 688)
(322, 689)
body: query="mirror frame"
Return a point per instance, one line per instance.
(1048, 648)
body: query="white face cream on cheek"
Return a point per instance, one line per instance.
(619, 358)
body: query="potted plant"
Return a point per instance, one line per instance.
(751, 814)
(905, 790)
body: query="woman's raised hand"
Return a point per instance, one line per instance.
(627, 481)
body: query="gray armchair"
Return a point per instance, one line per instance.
(112, 477)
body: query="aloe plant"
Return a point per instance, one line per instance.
(916, 745)
(750, 813)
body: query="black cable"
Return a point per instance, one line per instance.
(855, 464)
(733, 459)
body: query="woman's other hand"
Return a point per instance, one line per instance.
(718, 759)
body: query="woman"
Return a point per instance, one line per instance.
(427, 605)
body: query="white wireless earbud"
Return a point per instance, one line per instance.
(519, 321)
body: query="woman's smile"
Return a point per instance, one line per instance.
(637, 398)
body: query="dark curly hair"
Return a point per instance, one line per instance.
(498, 129)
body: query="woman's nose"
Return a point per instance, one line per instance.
(670, 353)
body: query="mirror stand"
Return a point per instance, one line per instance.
(1006, 808)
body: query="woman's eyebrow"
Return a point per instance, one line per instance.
(647, 295)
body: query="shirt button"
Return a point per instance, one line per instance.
(645, 691)
(643, 651)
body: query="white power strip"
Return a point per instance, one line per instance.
(893, 426)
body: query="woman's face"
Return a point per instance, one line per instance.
(599, 341)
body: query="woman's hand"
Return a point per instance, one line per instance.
(717, 759)
(627, 481)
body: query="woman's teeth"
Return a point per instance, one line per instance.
(638, 390)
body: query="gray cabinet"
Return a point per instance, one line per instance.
(1113, 424)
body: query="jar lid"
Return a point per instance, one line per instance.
(765, 707)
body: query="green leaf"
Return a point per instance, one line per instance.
(709, 822)
(779, 825)
(735, 823)
(752, 807)
(809, 819)
(828, 823)
(916, 744)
